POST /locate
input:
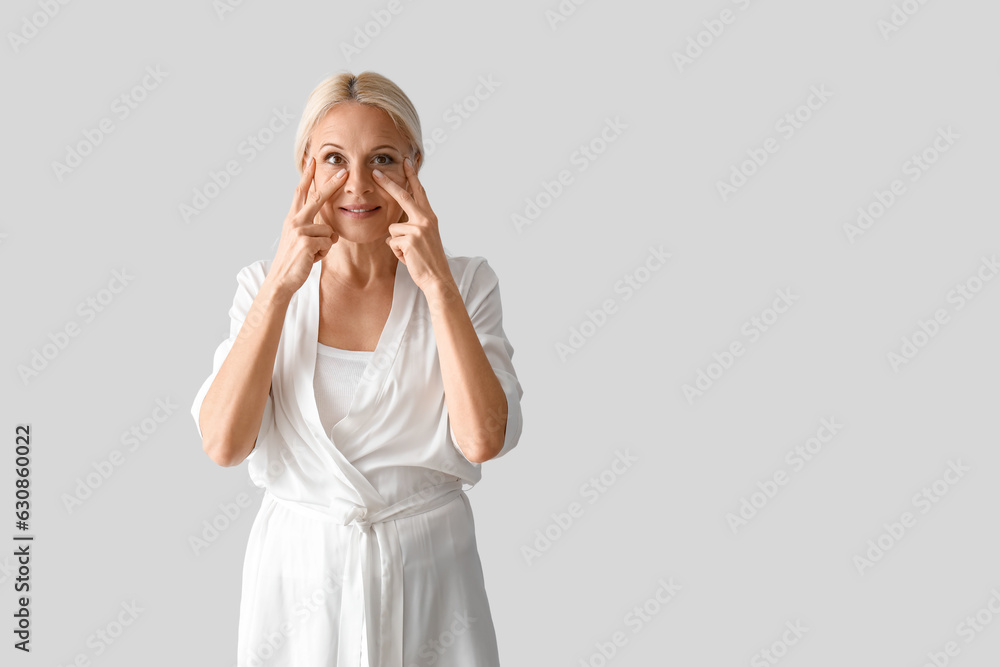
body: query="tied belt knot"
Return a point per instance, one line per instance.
(361, 575)
(358, 516)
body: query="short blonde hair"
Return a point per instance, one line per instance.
(366, 88)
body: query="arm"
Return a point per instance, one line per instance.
(482, 393)
(231, 411)
(234, 405)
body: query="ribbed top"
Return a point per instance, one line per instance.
(338, 373)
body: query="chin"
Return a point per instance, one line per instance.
(367, 233)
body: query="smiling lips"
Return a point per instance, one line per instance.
(359, 210)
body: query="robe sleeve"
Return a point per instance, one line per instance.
(248, 282)
(485, 311)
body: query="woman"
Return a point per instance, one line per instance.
(365, 380)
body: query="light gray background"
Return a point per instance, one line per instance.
(655, 185)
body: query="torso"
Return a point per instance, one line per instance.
(353, 320)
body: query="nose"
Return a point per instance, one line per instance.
(359, 181)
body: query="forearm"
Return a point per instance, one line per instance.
(477, 405)
(233, 407)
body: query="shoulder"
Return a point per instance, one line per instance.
(472, 274)
(477, 282)
(259, 268)
(252, 275)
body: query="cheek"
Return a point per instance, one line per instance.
(395, 174)
(323, 174)
(400, 180)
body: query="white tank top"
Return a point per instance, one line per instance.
(338, 374)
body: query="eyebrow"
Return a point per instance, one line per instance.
(392, 148)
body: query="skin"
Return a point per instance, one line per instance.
(358, 273)
(359, 263)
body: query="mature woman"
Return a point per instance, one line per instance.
(365, 380)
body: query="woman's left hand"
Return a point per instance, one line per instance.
(416, 242)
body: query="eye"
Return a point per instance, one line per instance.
(380, 159)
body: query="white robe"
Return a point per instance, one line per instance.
(367, 533)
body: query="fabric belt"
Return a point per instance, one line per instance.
(359, 577)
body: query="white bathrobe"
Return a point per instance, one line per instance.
(367, 533)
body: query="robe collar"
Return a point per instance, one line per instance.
(373, 378)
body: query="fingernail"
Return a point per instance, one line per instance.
(377, 173)
(310, 162)
(408, 163)
(340, 174)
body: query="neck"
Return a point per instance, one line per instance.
(359, 265)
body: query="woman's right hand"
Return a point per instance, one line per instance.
(304, 240)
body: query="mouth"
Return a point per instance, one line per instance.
(360, 212)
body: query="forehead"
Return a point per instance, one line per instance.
(356, 126)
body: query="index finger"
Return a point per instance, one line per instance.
(302, 189)
(413, 181)
(323, 192)
(402, 197)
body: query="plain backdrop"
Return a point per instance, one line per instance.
(784, 394)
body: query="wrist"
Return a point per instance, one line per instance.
(275, 292)
(442, 293)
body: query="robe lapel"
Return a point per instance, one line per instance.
(373, 378)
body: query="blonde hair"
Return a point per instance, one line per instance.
(367, 88)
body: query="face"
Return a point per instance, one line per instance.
(359, 138)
